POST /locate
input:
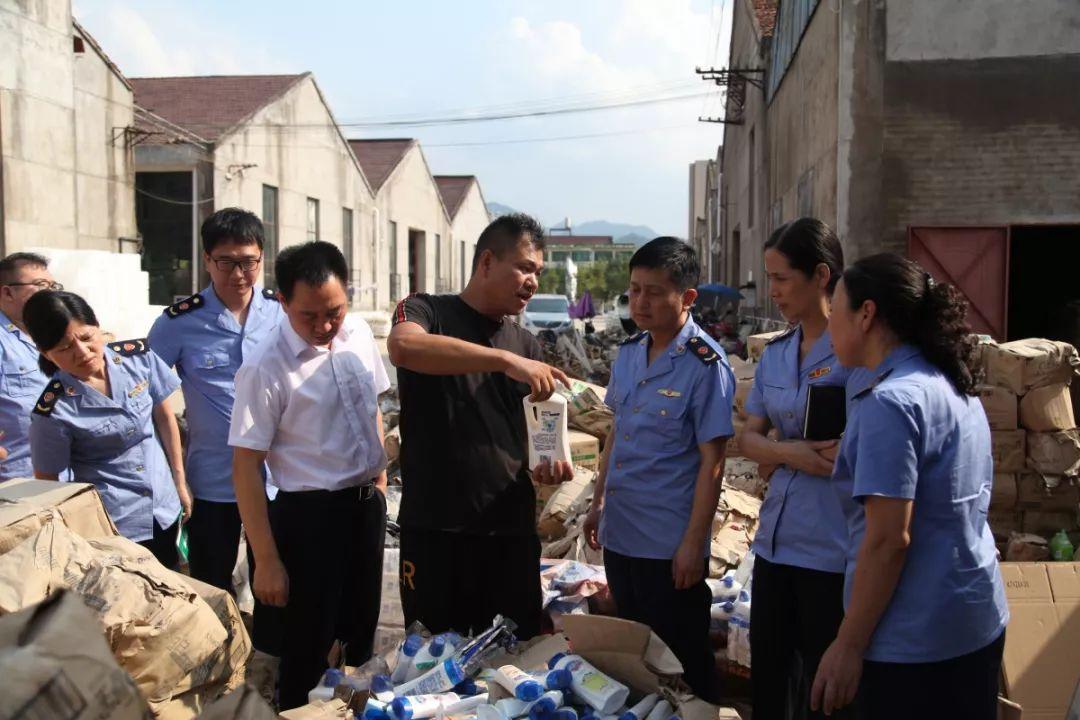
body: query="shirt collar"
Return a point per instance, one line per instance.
(897, 357)
(297, 345)
(688, 330)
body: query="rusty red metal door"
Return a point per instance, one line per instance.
(976, 261)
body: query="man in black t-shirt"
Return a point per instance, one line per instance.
(469, 548)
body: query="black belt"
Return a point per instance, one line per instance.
(358, 492)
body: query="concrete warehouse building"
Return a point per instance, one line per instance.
(948, 131)
(469, 216)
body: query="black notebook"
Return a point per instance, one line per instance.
(826, 412)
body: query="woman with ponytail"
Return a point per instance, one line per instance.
(925, 618)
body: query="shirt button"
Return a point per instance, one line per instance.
(625, 437)
(637, 409)
(641, 383)
(138, 468)
(663, 412)
(791, 415)
(146, 493)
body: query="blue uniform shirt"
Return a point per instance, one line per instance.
(110, 442)
(663, 411)
(21, 382)
(203, 340)
(911, 435)
(801, 522)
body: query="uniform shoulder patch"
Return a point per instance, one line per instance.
(634, 338)
(184, 306)
(128, 348)
(268, 294)
(702, 350)
(49, 396)
(784, 335)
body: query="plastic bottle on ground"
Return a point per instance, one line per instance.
(1061, 548)
(603, 693)
(661, 711)
(438, 679)
(325, 689)
(427, 657)
(641, 710)
(405, 657)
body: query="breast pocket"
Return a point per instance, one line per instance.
(668, 419)
(212, 363)
(780, 407)
(20, 381)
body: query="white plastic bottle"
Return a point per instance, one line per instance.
(405, 658)
(419, 707)
(325, 689)
(660, 711)
(427, 657)
(642, 709)
(548, 703)
(549, 437)
(438, 679)
(601, 692)
(520, 683)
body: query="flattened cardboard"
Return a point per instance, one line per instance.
(755, 344)
(1004, 493)
(330, 710)
(244, 703)
(1052, 493)
(1054, 453)
(159, 629)
(586, 409)
(1025, 364)
(1001, 407)
(569, 498)
(26, 505)
(1009, 449)
(54, 663)
(1041, 665)
(1046, 409)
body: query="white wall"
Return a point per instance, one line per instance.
(471, 219)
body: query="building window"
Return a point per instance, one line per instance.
(395, 280)
(582, 255)
(559, 256)
(312, 219)
(270, 232)
(602, 255)
(347, 242)
(750, 176)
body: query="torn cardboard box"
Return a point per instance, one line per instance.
(587, 411)
(392, 444)
(1009, 450)
(159, 629)
(1050, 493)
(1024, 547)
(1025, 364)
(26, 505)
(1048, 408)
(1001, 407)
(328, 710)
(1041, 665)
(1054, 453)
(244, 703)
(584, 450)
(755, 344)
(569, 499)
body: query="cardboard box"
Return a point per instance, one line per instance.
(1047, 523)
(159, 629)
(587, 411)
(1048, 408)
(1041, 665)
(1025, 364)
(1004, 493)
(1001, 407)
(1054, 453)
(570, 498)
(244, 703)
(1025, 547)
(1048, 493)
(1009, 448)
(392, 445)
(330, 710)
(26, 505)
(755, 344)
(543, 494)
(54, 663)
(584, 450)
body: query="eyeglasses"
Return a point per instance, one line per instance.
(246, 264)
(40, 284)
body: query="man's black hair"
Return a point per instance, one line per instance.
(670, 254)
(231, 225)
(313, 263)
(10, 265)
(505, 233)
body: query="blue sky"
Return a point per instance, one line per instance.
(405, 58)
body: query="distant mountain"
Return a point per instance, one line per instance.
(499, 209)
(614, 229)
(634, 238)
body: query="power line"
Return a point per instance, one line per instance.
(560, 138)
(188, 203)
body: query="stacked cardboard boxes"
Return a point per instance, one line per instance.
(1036, 445)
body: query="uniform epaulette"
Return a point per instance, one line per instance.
(185, 305)
(269, 294)
(785, 334)
(702, 350)
(877, 381)
(128, 348)
(634, 338)
(48, 398)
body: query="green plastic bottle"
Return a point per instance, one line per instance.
(1060, 547)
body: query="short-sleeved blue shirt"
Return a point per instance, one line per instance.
(203, 340)
(110, 442)
(911, 435)
(663, 411)
(21, 382)
(801, 522)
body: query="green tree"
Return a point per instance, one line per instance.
(553, 281)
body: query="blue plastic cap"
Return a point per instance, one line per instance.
(628, 716)
(743, 596)
(528, 691)
(438, 646)
(332, 677)
(467, 687)
(559, 679)
(728, 580)
(402, 708)
(375, 714)
(541, 708)
(454, 671)
(564, 714)
(381, 683)
(555, 660)
(412, 645)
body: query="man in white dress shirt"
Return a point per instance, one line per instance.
(307, 403)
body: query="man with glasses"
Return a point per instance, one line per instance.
(206, 337)
(21, 381)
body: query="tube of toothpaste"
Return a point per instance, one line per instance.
(660, 711)
(405, 657)
(554, 679)
(438, 679)
(548, 703)
(520, 683)
(641, 710)
(420, 707)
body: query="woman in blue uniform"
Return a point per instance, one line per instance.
(925, 604)
(102, 415)
(800, 544)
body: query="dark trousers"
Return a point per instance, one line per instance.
(794, 616)
(644, 591)
(331, 544)
(451, 581)
(163, 546)
(213, 537)
(963, 688)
